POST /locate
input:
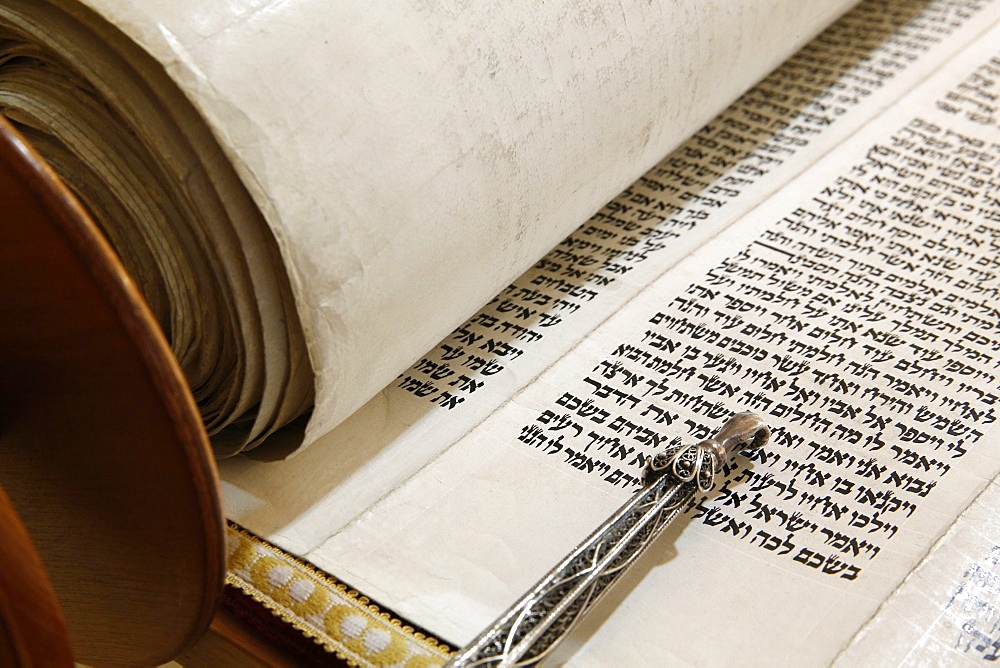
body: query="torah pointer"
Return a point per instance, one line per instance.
(528, 631)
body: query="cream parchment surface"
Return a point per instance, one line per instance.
(881, 439)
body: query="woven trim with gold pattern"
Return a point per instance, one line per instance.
(334, 616)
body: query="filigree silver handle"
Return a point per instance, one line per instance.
(528, 631)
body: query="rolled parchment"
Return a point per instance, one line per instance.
(312, 194)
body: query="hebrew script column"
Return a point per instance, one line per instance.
(864, 323)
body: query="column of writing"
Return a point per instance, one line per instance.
(782, 116)
(865, 325)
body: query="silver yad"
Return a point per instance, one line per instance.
(528, 631)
